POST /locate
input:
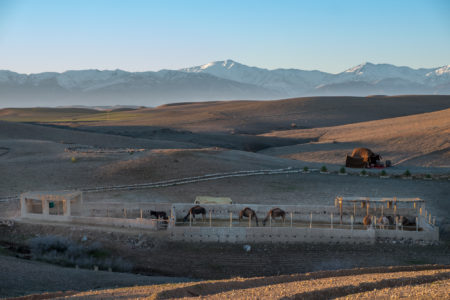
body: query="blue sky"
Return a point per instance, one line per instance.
(37, 36)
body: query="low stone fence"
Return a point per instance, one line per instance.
(150, 224)
(270, 235)
(298, 235)
(427, 235)
(310, 224)
(89, 149)
(193, 179)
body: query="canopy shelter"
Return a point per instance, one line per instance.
(366, 202)
(388, 200)
(380, 199)
(50, 204)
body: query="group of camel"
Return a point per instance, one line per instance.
(386, 221)
(274, 213)
(246, 212)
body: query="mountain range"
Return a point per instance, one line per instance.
(220, 80)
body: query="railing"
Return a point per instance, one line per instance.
(290, 222)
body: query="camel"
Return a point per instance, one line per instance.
(274, 213)
(385, 221)
(367, 221)
(249, 213)
(196, 210)
(404, 221)
(367, 155)
(158, 214)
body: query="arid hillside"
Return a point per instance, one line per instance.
(430, 282)
(422, 139)
(249, 117)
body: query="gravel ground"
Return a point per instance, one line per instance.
(21, 277)
(434, 290)
(321, 285)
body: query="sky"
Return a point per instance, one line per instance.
(331, 36)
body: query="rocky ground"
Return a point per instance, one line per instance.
(21, 277)
(430, 282)
(179, 141)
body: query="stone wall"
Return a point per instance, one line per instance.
(271, 234)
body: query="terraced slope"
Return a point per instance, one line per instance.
(433, 282)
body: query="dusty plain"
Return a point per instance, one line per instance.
(54, 149)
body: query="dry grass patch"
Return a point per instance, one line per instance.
(315, 285)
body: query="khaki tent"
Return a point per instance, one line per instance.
(355, 162)
(212, 200)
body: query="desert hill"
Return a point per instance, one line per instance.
(421, 139)
(22, 131)
(246, 117)
(36, 157)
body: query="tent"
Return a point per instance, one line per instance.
(212, 200)
(355, 162)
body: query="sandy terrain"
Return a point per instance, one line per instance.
(348, 283)
(422, 140)
(411, 130)
(435, 290)
(246, 116)
(21, 277)
(44, 165)
(22, 131)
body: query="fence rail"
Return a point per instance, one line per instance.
(193, 179)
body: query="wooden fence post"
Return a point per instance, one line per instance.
(331, 220)
(210, 221)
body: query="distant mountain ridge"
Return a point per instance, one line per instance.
(220, 80)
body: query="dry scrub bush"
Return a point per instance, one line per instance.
(62, 251)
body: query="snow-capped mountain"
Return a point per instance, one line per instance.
(220, 80)
(371, 72)
(291, 81)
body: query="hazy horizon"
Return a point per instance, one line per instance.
(229, 59)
